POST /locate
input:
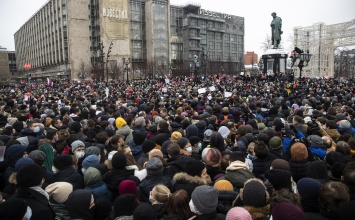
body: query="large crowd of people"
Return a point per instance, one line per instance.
(219, 147)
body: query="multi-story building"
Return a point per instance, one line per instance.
(7, 64)
(82, 39)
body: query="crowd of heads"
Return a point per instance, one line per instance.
(250, 148)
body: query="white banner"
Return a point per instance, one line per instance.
(202, 90)
(212, 88)
(227, 94)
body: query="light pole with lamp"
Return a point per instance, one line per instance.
(27, 66)
(297, 53)
(126, 68)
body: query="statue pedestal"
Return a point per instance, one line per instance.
(274, 61)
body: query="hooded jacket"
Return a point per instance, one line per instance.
(186, 182)
(126, 132)
(93, 182)
(237, 173)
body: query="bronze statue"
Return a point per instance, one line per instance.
(276, 31)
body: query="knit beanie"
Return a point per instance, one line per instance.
(125, 205)
(279, 179)
(23, 162)
(30, 175)
(284, 210)
(76, 144)
(140, 121)
(194, 167)
(238, 213)
(182, 142)
(93, 150)
(62, 161)
(205, 199)
(344, 124)
(91, 161)
(299, 152)
(280, 164)
(315, 141)
(223, 185)
(120, 122)
(138, 137)
(147, 146)
(175, 136)
(191, 130)
(38, 157)
(144, 211)
(275, 143)
(154, 167)
(59, 191)
(254, 193)
(161, 138)
(201, 125)
(308, 189)
(119, 161)
(127, 187)
(224, 131)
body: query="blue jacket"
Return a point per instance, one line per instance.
(286, 144)
(318, 151)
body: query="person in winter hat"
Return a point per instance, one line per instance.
(238, 213)
(254, 198)
(203, 203)
(317, 147)
(284, 210)
(58, 194)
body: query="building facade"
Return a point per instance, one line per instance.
(7, 64)
(81, 39)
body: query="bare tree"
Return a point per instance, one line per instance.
(266, 44)
(113, 69)
(83, 70)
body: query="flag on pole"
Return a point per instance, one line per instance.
(49, 82)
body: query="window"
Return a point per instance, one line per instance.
(218, 36)
(234, 37)
(211, 45)
(211, 55)
(226, 46)
(193, 43)
(240, 47)
(193, 21)
(240, 39)
(210, 35)
(210, 24)
(234, 56)
(193, 33)
(218, 45)
(227, 26)
(234, 47)
(219, 56)
(226, 37)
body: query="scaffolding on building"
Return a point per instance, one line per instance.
(321, 40)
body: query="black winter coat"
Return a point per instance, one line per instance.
(225, 200)
(148, 184)
(298, 169)
(70, 175)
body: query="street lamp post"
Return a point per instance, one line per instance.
(297, 53)
(27, 66)
(126, 68)
(197, 64)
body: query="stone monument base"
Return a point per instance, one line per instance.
(274, 61)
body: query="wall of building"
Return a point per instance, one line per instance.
(250, 58)
(4, 66)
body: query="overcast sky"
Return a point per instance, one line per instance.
(257, 14)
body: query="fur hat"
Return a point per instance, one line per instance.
(59, 191)
(205, 199)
